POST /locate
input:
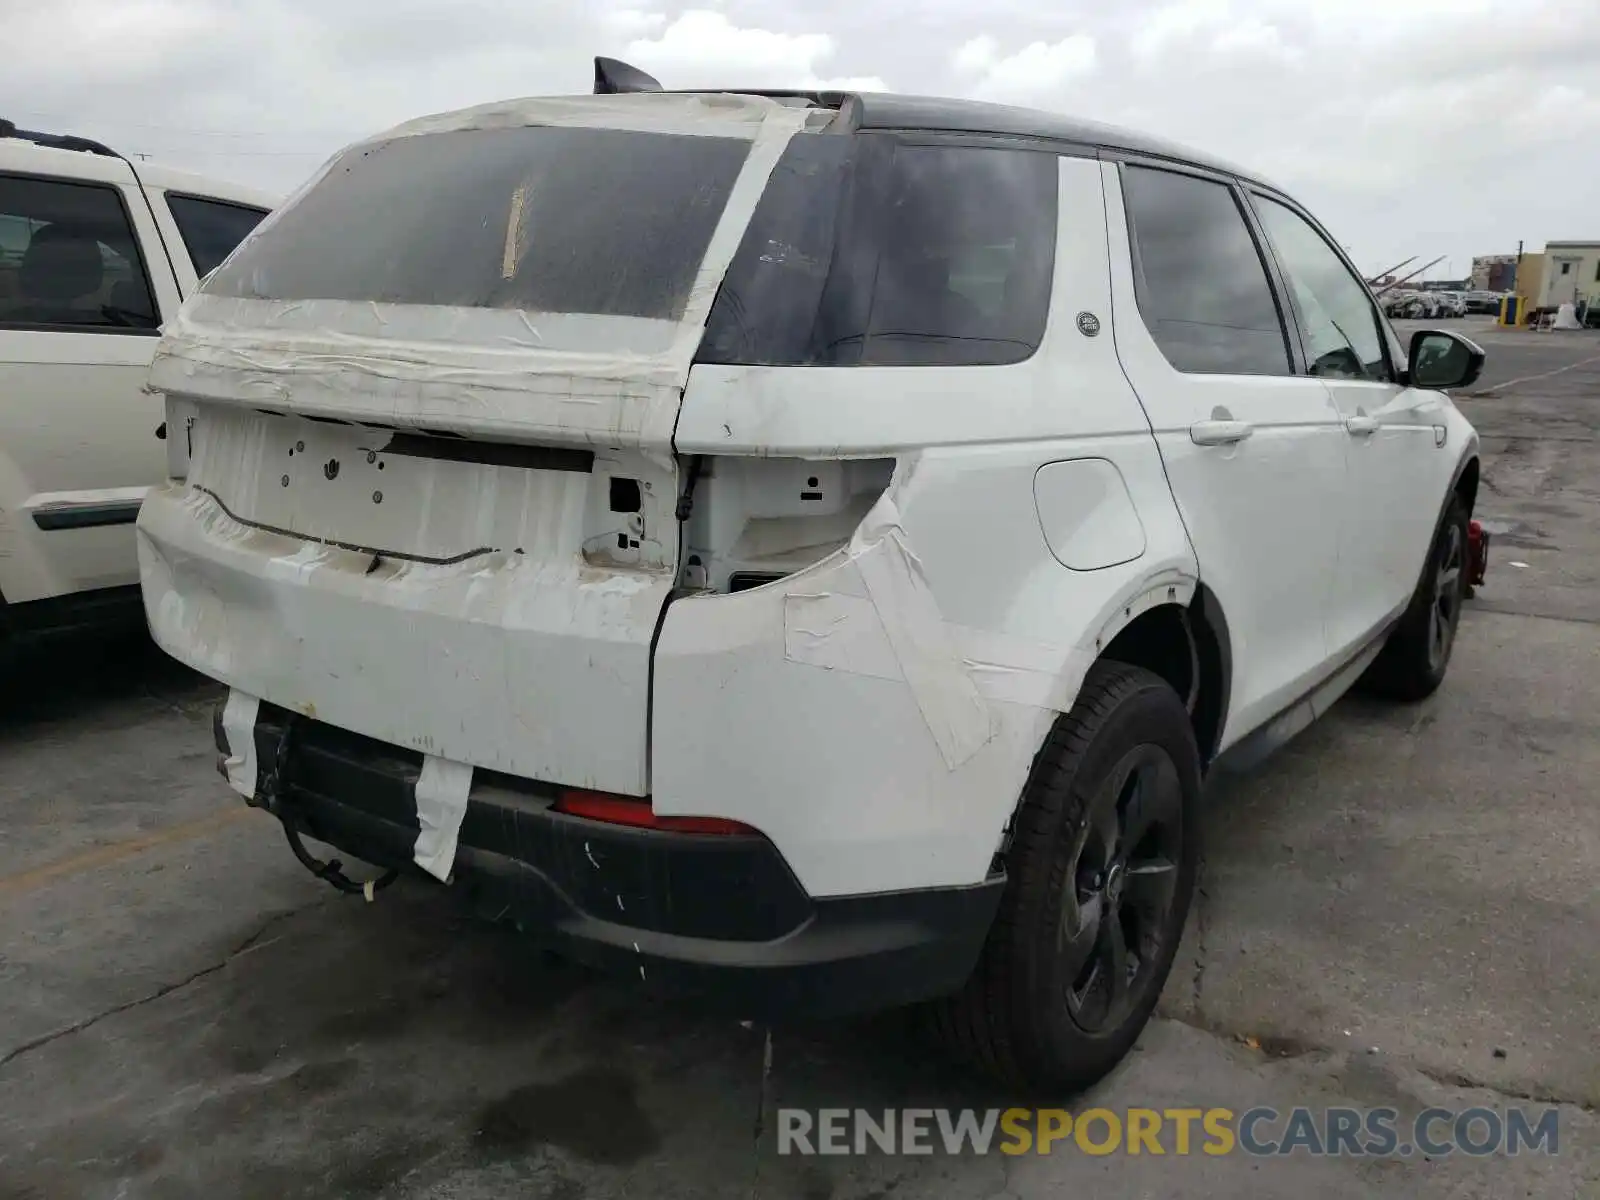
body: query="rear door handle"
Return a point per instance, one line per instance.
(1362, 426)
(1218, 432)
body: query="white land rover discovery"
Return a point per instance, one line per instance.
(804, 548)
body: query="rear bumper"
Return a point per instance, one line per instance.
(302, 622)
(720, 916)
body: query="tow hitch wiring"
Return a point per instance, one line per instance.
(274, 797)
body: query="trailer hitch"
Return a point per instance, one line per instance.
(273, 794)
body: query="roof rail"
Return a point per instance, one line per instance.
(56, 141)
(614, 77)
(820, 99)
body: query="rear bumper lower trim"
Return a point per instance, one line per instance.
(720, 916)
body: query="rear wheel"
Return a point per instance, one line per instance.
(1413, 661)
(1101, 872)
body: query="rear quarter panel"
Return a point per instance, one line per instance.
(876, 715)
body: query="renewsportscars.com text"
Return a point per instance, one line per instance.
(1262, 1132)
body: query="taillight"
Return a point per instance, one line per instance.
(637, 813)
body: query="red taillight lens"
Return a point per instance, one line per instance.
(636, 812)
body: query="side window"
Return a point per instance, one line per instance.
(211, 228)
(15, 233)
(1201, 284)
(866, 252)
(69, 259)
(1334, 306)
(965, 247)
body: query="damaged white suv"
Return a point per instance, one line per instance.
(807, 549)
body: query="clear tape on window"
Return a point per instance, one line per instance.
(567, 377)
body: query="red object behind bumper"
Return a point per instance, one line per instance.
(1477, 553)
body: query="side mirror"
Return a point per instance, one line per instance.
(1441, 360)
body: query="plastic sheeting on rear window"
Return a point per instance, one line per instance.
(558, 219)
(869, 252)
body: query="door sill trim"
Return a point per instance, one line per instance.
(1266, 739)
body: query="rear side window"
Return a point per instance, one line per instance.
(69, 259)
(543, 218)
(865, 252)
(1201, 284)
(211, 228)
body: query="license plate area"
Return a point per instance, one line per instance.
(399, 493)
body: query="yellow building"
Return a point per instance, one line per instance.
(1530, 279)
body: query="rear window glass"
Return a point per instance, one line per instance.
(865, 252)
(211, 228)
(544, 218)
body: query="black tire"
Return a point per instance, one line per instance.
(1025, 1017)
(1414, 660)
(8, 657)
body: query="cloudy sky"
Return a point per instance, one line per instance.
(1424, 127)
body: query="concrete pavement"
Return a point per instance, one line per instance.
(1398, 910)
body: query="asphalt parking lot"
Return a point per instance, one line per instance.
(1399, 909)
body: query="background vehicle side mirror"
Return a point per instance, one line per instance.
(1442, 360)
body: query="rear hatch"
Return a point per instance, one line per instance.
(423, 419)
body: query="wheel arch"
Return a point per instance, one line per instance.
(1191, 648)
(1465, 485)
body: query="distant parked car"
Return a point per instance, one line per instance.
(95, 255)
(1401, 303)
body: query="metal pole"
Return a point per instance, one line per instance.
(1516, 288)
(1393, 269)
(1386, 287)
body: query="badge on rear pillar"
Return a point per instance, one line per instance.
(1088, 324)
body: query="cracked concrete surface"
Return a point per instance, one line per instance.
(1399, 910)
(166, 989)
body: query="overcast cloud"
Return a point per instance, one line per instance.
(1422, 127)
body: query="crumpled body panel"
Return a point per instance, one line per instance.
(501, 662)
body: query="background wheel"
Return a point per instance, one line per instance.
(1413, 661)
(9, 674)
(1101, 870)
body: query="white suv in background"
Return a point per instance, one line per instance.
(95, 254)
(806, 548)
